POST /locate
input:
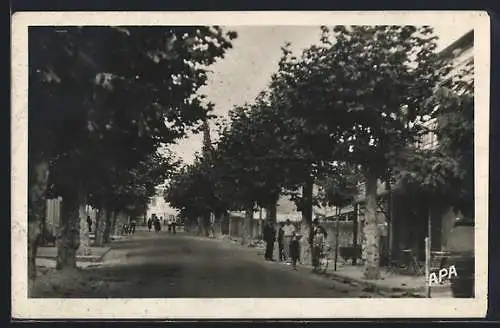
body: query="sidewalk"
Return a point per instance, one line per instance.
(394, 284)
(390, 284)
(46, 256)
(97, 254)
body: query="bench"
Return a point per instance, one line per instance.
(351, 253)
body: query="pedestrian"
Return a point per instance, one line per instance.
(157, 225)
(295, 248)
(288, 231)
(317, 240)
(124, 229)
(269, 234)
(89, 223)
(169, 225)
(132, 226)
(150, 224)
(281, 251)
(174, 224)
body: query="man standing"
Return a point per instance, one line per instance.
(132, 226)
(150, 223)
(169, 225)
(269, 233)
(288, 231)
(317, 239)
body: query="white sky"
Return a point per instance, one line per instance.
(247, 68)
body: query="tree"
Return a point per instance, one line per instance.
(309, 140)
(371, 86)
(445, 173)
(110, 86)
(253, 160)
(191, 191)
(129, 191)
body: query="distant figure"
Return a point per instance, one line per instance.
(281, 251)
(169, 225)
(157, 224)
(174, 224)
(132, 226)
(269, 234)
(89, 223)
(295, 249)
(150, 224)
(288, 231)
(125, 229)
(317, 239)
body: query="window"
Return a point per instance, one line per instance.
(428, 140)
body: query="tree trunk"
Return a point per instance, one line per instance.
(219, 219)
(107, 226)
(225, 223)
(247, 226)
(371, 231)
(37, 202)
(114, 225)
(84, 248)
(68, 239)
(338, 210)
(199, 226)
(390, 227)
(100, 227)
(271, 213)
(205, 222)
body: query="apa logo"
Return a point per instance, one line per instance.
(442, 274)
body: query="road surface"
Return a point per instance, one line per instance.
(159, 265)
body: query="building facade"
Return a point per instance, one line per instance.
(160, 207)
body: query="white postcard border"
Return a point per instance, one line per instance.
(22, 307)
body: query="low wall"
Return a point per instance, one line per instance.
(345, 233)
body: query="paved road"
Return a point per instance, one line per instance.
(158, 265)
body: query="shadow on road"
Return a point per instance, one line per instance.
(171, 266)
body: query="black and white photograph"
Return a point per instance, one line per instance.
(225, 165)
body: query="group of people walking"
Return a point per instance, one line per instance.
(129, 228)
(289, 242)
(126, 228)
(155, 222)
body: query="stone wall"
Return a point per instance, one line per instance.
(236, 227)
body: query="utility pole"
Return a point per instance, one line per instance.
(337, 234)
(428, 254)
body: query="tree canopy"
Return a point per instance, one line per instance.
(351, 108)
(104, 100)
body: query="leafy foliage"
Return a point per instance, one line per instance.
(339, 188)
(104, 99)
(446, 173)
(191, 190)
